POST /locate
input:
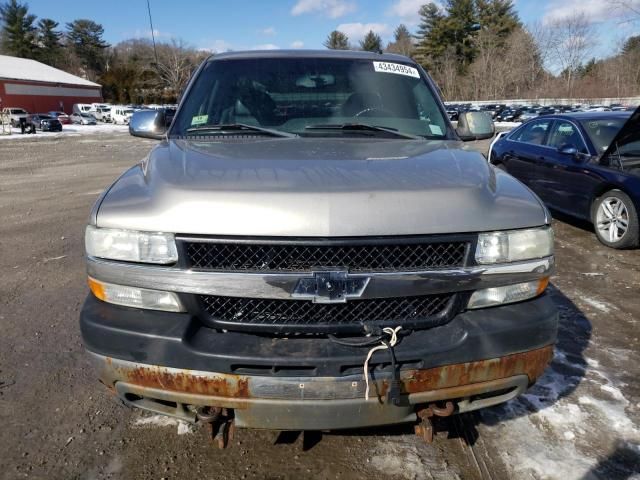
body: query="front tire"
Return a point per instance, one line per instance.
(615, 220)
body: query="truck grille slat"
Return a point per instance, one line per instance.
(288, 314)
(302, 258)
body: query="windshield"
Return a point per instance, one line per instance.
(602, 132)
(301, 95)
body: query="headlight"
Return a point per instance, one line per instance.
(135, 297)
(514, 245)
(130, 245)
(489, 297)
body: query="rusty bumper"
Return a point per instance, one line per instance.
(319, 403)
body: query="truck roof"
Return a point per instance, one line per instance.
(384, 57)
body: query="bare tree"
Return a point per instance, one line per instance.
(570, 38)
(628, 7)
(175, 63)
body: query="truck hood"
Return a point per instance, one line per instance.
(320, 187)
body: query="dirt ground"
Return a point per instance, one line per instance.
(581, 421)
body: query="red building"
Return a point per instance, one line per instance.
(37, 87)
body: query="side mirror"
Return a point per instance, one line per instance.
(568, 149)
(148, 124)
(475, 126)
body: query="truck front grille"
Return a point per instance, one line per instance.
(362, 256)
(306, 316)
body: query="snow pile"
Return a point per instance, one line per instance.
(548, 432)
(69, 130)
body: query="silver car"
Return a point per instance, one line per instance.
(83, 119)
(310, 247)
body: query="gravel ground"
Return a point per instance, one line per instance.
(581, 421)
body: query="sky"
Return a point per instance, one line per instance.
(218, 25)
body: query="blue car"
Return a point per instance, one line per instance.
(586, 165)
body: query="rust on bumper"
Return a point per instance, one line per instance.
(320, 403)
(449, 377)
(531, 364)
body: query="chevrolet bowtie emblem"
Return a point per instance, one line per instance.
(330, 287)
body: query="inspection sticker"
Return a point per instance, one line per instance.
(199, 119)
(397, 68)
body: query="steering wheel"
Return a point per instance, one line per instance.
(386, 113)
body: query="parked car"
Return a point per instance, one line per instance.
(15, 114)
(583, 164)
(83, 119)
(269, 242)
(121, 115)
(43, 122)
(528, 114)
(83, 108)
(62, 117)
(103, 114)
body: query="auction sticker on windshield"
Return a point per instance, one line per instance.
(397, 68)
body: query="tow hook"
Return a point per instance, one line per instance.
(220, 422)
(425, 428)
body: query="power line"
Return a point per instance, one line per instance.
(153, 36)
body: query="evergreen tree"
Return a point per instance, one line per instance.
(49, 42)
(458, 29)
(428, 32)
(85, 38)
(498, 16)
(371, 42)
(403, 42)
(18, 36)
(337, 41)
(631, 45)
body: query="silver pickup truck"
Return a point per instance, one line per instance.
(310, 246)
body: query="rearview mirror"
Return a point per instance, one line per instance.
(148, 124)
(475, 126)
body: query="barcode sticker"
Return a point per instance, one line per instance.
(397, 68)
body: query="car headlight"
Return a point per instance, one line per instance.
(130, 246)
(514, 245)
(135, 297)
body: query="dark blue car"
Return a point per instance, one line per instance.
(583, 164)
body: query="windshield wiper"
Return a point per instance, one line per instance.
(361, 127)
(239, 127)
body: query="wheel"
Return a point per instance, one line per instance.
(615, 220)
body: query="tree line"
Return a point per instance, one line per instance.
(474, 49)
(133, 71)
(481, 50)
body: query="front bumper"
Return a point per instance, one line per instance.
(168, 362)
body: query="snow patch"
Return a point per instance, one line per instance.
(615, 393)
(69, 130)
(545, 432)
(597, 304)
(402, 458)
(164, 421)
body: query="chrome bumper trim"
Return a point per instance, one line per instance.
(282, 285)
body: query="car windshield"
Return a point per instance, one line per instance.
(312, 96)
(602, 131)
